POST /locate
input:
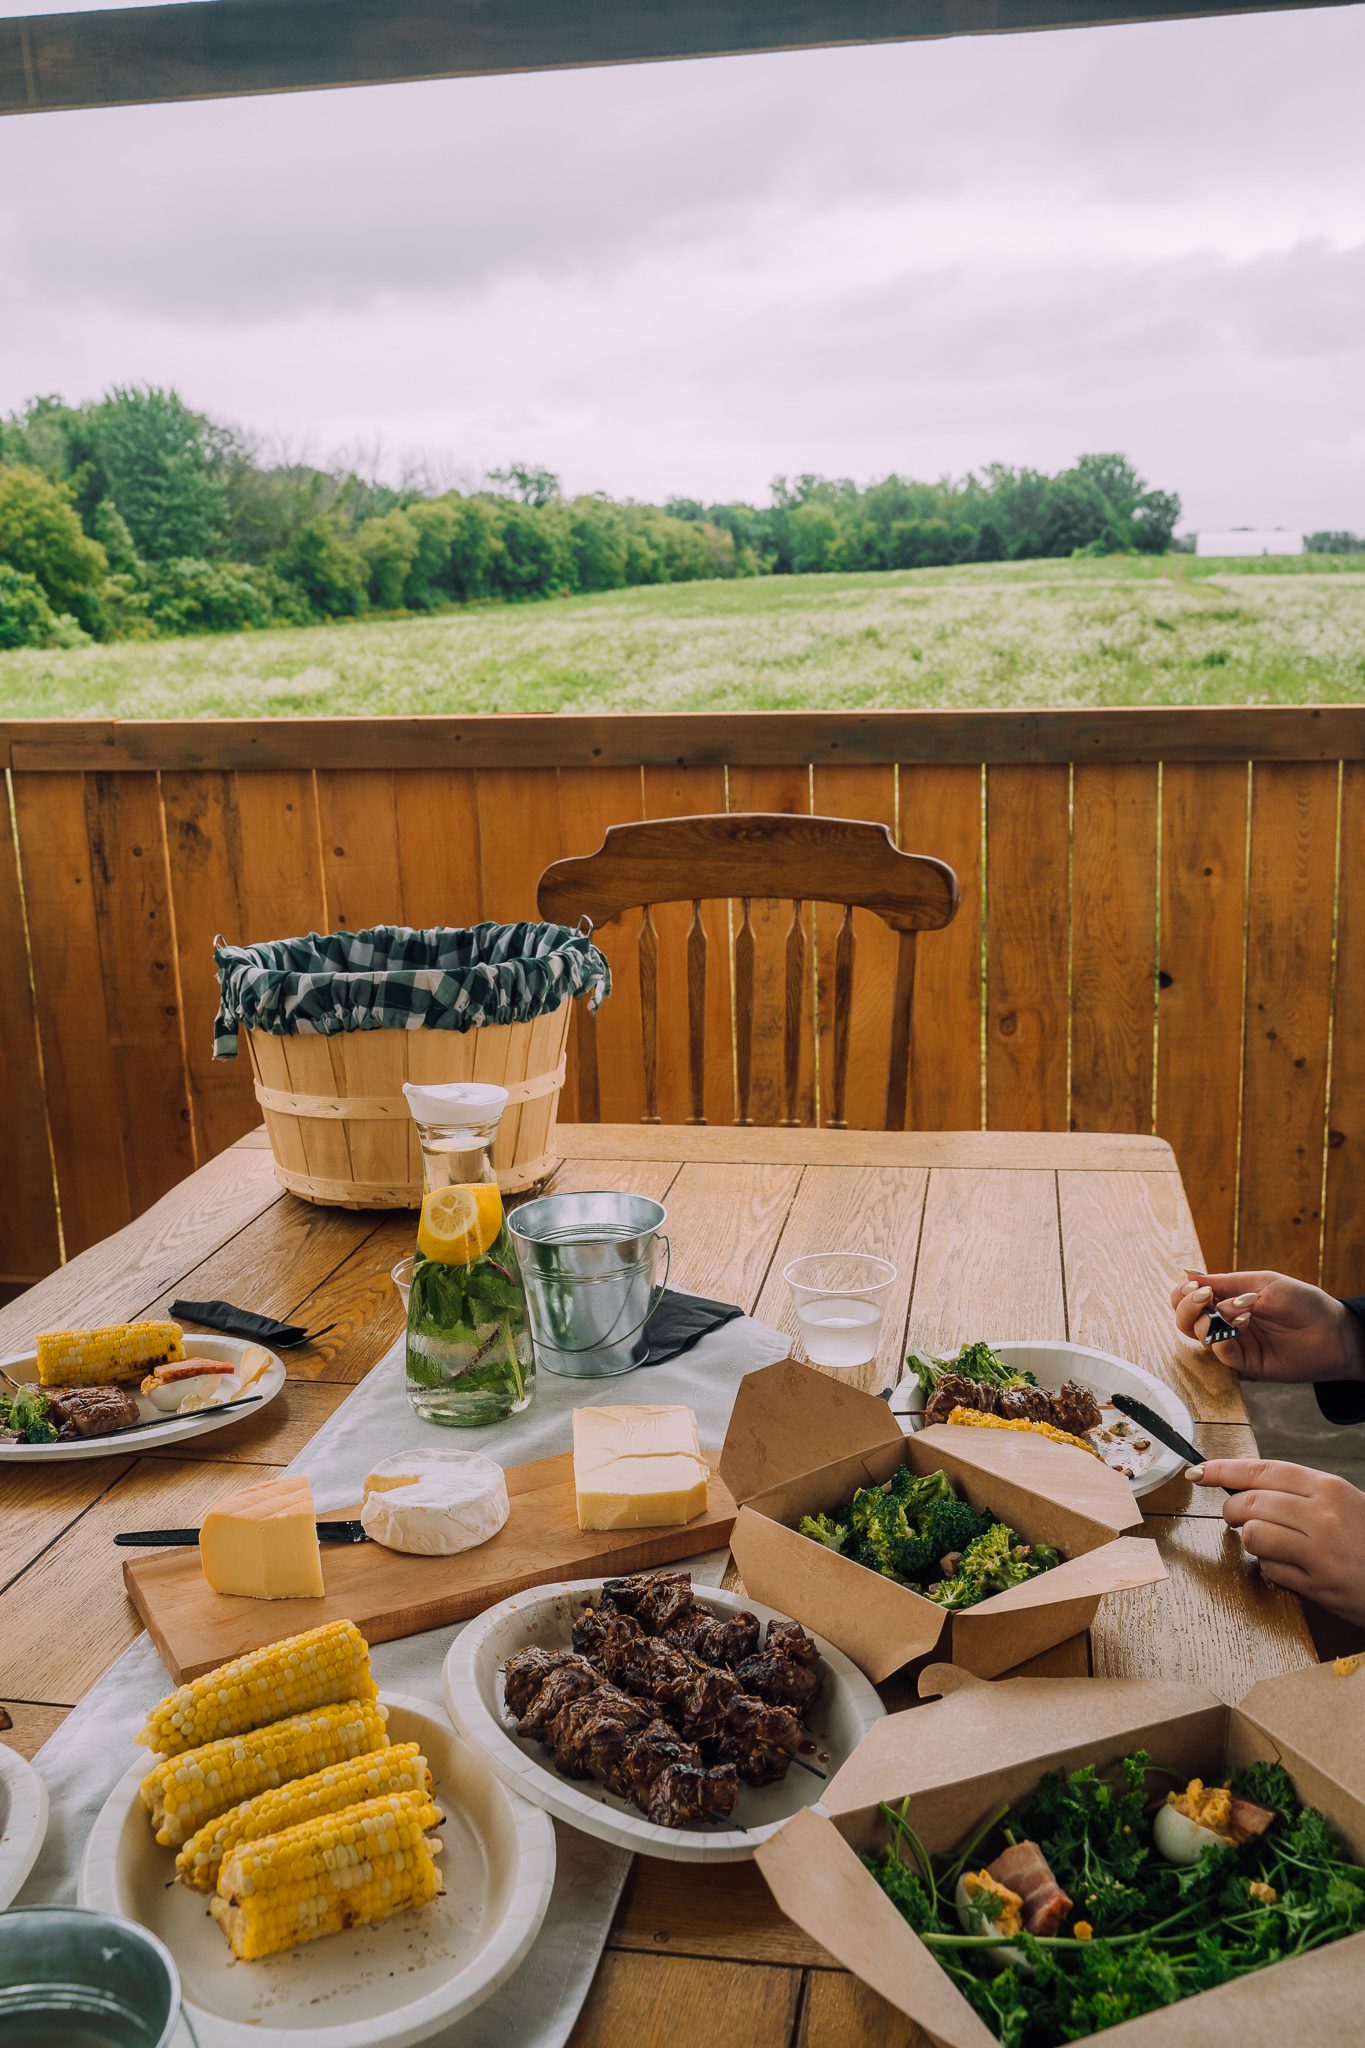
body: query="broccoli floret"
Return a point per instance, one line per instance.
(956, 1591)
(950, 1526)
(917, 1492)
(989, 1561)
(890, 1536)
(826, 1529)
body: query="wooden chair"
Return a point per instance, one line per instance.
(748, 857)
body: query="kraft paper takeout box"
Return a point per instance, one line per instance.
(801, 1443)
(982, 1745)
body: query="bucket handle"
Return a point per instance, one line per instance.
(656, 1295)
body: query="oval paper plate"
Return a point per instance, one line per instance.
(24, 1368)
(845, 1710)
(23, 1821)
(394, 1983)
(1053, 1364)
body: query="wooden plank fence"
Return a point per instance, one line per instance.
(1162, 927)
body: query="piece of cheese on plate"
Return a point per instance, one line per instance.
(637, 1468)
(435, 1502)
(262, 1543)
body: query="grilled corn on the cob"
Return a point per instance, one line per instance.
(342, 1870)
(121, 1351)
(186, 1790)
(400, 1768)
(316, 1669)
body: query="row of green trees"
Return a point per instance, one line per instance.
(136, 516)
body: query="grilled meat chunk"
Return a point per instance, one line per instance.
(1075, 1409)
(526, 1671)
(591, 1736)
(90, 1411)
(573, 1680)
(780, 1680)
(686, 1794)
(715, 1641)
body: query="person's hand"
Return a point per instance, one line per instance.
(1286, 1329)
(1305, 1529)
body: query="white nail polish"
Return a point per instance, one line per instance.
(1202, 1294)
(1243, 1300)
(1240, 1322)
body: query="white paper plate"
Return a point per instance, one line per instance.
(845, 1710)
(1053, 1364)
(23, 1821)
(24, 1367)
(395, 1983)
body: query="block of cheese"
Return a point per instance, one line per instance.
(637, 1468)
(435, 1502)
(262, 1543)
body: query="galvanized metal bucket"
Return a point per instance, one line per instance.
(595, 1267)
(67, 1973)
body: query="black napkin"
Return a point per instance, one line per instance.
(682, 1320)
(240, 1322)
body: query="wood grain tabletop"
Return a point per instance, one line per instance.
(994, 1234)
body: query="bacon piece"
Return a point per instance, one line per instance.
(1246, 1818)
(1024, 1869)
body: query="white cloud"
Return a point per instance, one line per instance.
(689, 277)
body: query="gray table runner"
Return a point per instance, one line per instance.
(95, 1744)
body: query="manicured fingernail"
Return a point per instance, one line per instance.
(1202, 1294)
(1242, 1300)
(1240, 1322)
(1189, 1287)
(1195, 1474)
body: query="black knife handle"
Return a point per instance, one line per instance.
(168, 1539)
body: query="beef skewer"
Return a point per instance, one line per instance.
(666, 1704)
(707, 1704)
(784, 1672)
(594, 1730)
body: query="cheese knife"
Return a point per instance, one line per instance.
(167, 1539)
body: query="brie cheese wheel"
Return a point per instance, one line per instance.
(435, 1502)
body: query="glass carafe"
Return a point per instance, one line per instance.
(469, 1356)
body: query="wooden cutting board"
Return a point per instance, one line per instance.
(388, 1593)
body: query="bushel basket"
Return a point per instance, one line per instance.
(336, 1024)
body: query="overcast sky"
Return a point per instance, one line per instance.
(689, 277)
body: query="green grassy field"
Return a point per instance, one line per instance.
(1173, 630)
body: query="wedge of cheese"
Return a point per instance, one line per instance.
(262, 1543)
(435, 1503)
(637, 1468)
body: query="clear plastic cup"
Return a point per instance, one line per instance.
(840, 1298)
(401, 1276)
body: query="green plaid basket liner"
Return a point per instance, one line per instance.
(392, 978)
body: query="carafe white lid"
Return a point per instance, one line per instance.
(455, 1102)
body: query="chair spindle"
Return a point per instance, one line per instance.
(791, 1038)
(696, 1013)
(902, 1034)
(649, 1012)
(844, 947)
(744, 1014)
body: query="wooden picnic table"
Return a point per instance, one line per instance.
(994, 1234)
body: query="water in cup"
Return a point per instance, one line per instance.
(839, 1331)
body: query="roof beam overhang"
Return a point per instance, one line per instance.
(215, 49)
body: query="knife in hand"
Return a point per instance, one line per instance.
(169, 1539)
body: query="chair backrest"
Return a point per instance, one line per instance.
(751, 857)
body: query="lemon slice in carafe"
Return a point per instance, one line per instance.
(458, 1224)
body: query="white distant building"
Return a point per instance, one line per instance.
(1249, 540)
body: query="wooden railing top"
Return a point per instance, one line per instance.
(736, 739)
